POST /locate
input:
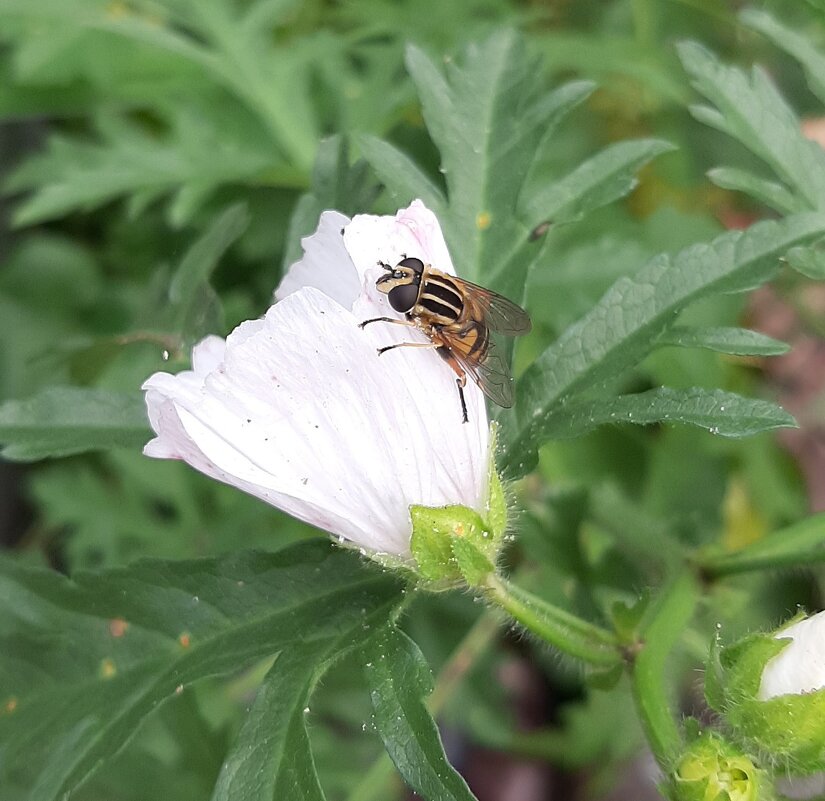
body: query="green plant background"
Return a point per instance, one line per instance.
(161, 161)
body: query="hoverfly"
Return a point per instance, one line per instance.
(457, 317)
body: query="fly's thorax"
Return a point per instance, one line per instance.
(440, 300)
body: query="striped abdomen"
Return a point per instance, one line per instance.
(440, 300)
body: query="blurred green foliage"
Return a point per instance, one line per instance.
(169, 157)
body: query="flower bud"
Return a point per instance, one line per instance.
(714, 770)
(771, 690)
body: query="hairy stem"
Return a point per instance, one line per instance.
(556, 626)
(664, 625)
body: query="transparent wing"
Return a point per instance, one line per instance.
(480, 358)
(494, 310)
(493, 377)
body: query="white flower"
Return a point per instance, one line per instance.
(299, 410)
(800, 666)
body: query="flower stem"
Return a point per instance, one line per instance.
(796, 545)
(664, 624)
(565, 631)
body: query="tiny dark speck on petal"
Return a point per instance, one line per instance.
(248, 419)
(304, 481)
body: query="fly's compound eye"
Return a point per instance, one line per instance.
(402, 298)
(411, 263)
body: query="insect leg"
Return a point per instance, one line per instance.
(407, 345)
(460, 382)
(387, 320)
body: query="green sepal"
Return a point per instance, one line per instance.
(739, 667)
(715, 677)
(712, 769)
(788, 728)
(432, 531)
(472, 562)
(450, 543)
(496, 500)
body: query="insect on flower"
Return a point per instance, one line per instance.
(457, 317)
(296, 409)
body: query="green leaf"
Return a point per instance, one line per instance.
(272, 82)
(626, 323)
(800, 544)
(84, 661)
(794, 44)
(401, 174)
(60, 421)
(494, 128)
(600, 180)
(201, 149)
(609, 57)
(271, 756)
(335, 185)
(735, 341)
(749, 109)
(723, 413)
(190, 288)
(398, 678)
(484, 118)
(770, 193)
(810, 261)
(492, 125)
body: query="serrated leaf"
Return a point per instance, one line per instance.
(202, 150)
(398, 678)
(60, 421)
(272, 82)
(735, 341)
(625, 324)
(492, 125)
(723, 413)
(84, 661)
(794, 44)
(749, 109)
(600, 180)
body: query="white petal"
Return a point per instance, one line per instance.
(304, 414)
(413, 231)
(325, 265)
(371, 239)
(800, 666)
(208, 354)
